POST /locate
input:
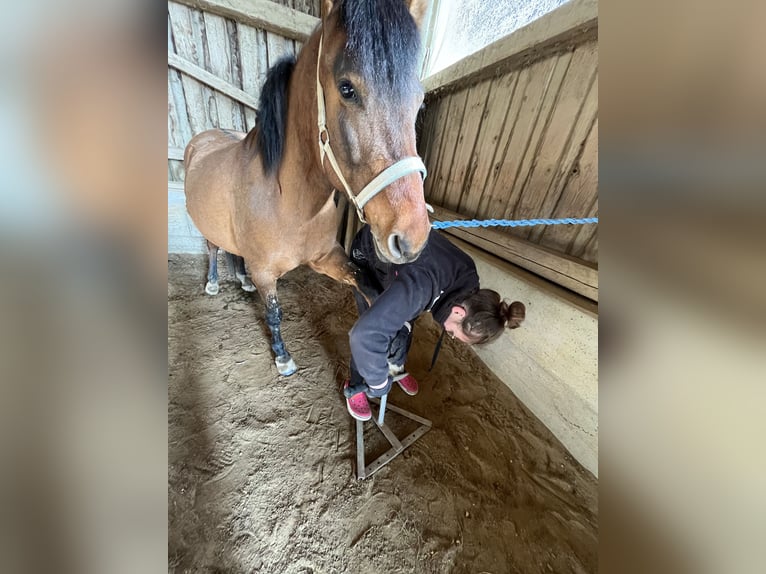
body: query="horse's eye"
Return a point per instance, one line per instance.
(346, 90)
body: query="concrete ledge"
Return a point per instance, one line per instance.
(183, 236)
(551, 362)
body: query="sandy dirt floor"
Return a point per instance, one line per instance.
(262, 468)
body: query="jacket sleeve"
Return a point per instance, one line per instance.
(372, 334)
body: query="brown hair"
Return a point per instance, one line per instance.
(487, 314)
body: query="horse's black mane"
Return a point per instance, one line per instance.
(272, 115)
(382, 41)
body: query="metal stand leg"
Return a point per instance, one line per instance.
(382, 412)
(397, 446)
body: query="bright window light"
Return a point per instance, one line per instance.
(462, 27)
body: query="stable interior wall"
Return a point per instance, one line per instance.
(551, 361)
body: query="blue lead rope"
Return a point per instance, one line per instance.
(512, 223)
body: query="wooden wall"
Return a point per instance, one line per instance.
(235, 53)
(511, 132)
(311, 7)
(520, 145)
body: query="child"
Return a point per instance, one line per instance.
(443, 281)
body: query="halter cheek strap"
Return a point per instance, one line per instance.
(385, 178)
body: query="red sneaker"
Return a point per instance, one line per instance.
(408, 384)
(358, 406)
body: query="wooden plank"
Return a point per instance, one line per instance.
(424, 126)
(213, 81)
(235, 60)
(430, 142)
(591, 249)
(436, 144)
(522, 116)
(353, 225)
(341, 218)
(277, 47)
(252, 51)
(586, 305)
(181, 133)
(452, 124)
(188, 45)
(492, 126)
(583, 244)
(532, 153)
(310, 7)
(475, 113)
(576, 200)
(262, 14)
(569, 20)
(571, 122)
(219, 65)
(211, 101)
(179, 130)
(574, 274)
(175, 172)
(180, 19)
(490, 190)
(176, 103)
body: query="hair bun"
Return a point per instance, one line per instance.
(514, 313)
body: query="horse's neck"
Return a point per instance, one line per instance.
(301, 171)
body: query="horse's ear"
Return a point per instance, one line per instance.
(418, 9)
(326, 8)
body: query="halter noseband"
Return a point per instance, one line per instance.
(385, 178)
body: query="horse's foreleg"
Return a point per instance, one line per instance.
(283, 360)
(337, 265)
(211, 288)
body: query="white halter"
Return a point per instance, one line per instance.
(382, 180)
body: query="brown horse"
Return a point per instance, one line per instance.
(267, 196)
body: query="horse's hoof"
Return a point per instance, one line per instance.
(212, 288)
(285, 368)
(247, 285)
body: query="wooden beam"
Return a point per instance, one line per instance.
(176, 153)
(569, 21)
(175, 61)
(261, 14)
(586, 305)
(574, 274)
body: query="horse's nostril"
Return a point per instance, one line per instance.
(395, 246)
(399, 247)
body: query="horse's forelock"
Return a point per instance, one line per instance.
(383, 41)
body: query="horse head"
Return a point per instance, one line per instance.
(368, 97)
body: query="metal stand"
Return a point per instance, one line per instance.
(397, 446)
